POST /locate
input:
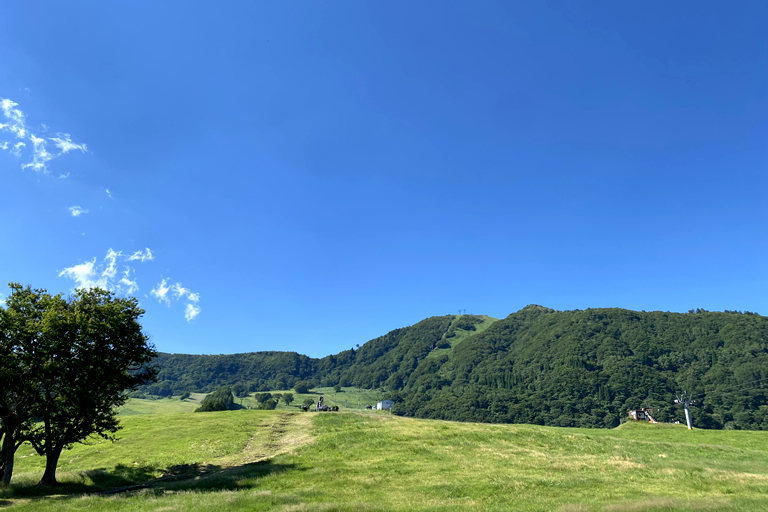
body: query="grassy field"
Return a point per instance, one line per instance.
(282, 460)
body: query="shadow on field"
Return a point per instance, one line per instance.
(124, 479)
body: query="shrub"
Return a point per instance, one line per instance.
(219, 400)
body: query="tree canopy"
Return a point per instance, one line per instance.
(80, 355)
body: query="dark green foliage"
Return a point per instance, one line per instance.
(219, 400)
(185, 395)
(337, 388)
(288, 398)
(302, 386)
(267, 405)
(240, 390)
(262, 397)
(309, 402)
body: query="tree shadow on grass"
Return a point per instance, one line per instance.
(126, 479)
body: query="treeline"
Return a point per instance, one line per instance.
(385, 361)
(565, 368)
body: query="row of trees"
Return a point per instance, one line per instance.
(65, 366)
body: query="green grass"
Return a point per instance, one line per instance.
(275, 460)
(136, 406)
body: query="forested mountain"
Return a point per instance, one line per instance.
(538, 365)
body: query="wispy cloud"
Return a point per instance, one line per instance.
(15, 124)
(108, 193)
(160, 292)
(104, 274)
(165, 292)
(191, 312)
(131, 286)
(2, 301)
(115, 273)
(77, 211)
(142, 256)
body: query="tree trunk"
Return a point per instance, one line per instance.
(6, 463)
(51, 461)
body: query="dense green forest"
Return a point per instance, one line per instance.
(565, 368)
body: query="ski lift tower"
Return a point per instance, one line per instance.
(686, 401)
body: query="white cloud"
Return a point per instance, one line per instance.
(112, 273)
(165, 292)
(63, 141)
(104, 274)
(191, 312)
(110, 261)
(15, 123)
(85, 275)
(131, 286)
(2, 301)
(110, 195)
(142, 256)
(160, 292)
(77, 211)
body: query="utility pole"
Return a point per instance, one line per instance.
(686, 401)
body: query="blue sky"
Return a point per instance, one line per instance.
(310, 175)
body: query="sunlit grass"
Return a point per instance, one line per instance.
(270, 460)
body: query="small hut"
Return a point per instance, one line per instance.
(641, 415)
(385, 404)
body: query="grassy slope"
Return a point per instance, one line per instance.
(136, 406)
(358, 461)
(462, 335)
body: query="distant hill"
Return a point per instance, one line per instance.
(564, 368)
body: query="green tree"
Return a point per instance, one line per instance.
(239, 390)
(262, 397)
(309, 402)
(219, 400)
(268, 405)
(287, 398)
(92, 351)
(337, 388)
(302, 387)
(185, 395)
(21, 323)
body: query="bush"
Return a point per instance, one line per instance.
(184, 396)
(268, 405)
(219, 400)
(302, 387)
(262, 397)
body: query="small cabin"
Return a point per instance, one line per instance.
(641, 415)
(384, 404)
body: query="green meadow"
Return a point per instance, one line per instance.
(363, 460)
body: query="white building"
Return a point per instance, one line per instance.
(385, 404)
